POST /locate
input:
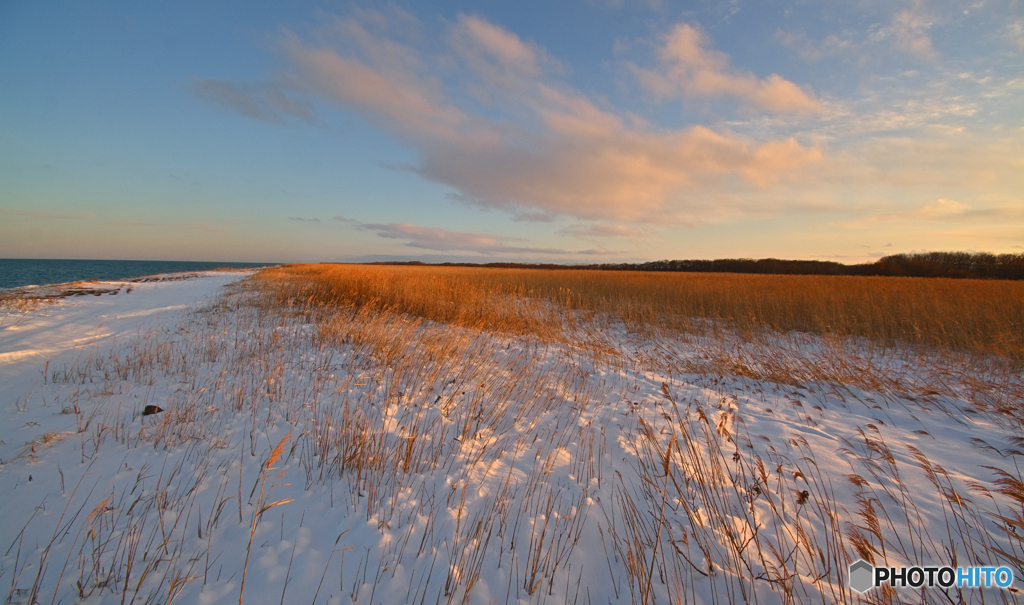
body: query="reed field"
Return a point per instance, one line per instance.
(383, 434)
(967, 315)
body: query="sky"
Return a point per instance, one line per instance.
(577, 131)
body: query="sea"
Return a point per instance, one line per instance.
(17, 272)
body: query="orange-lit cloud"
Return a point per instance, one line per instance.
(547, 148)
(689, 67)
(616, 175)
(384, 84)
(497, 55)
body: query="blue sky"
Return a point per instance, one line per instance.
(589, 131)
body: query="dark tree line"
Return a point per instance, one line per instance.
(979, 265)
(973, 265)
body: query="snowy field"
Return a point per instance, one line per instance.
(315, 456)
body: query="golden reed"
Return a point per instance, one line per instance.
(982, 316)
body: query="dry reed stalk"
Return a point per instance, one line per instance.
(261, 504)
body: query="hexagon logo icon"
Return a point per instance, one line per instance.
(862, 576)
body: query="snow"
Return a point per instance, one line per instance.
(395, 461)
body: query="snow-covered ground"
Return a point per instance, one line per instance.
(308, 456)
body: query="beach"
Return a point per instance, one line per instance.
(311, 454)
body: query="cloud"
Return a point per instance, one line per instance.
(940, 209)
(583, 231)
(44, 214)
(1014, 32)
(612, 175)
(444, 240)
(538, 148)
(303, 220)
(810, 50)
(688, 67)
(905, 30)
(497, 55)
(264, 102)
(523, 216)
(944, 210)
(953, 164)
(657, 5)
(189, 225)
(387, 81)
(908, 31)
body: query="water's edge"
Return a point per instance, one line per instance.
(22, 272)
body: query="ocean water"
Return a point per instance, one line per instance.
(15, 272)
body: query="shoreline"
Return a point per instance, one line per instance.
(27, 273)
(95, 287)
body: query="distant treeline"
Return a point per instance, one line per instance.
(928, 264)
(979, 265)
